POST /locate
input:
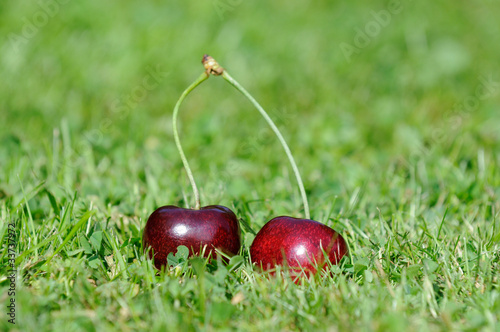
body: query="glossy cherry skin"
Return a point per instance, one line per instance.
(300, 244)
(170, 226)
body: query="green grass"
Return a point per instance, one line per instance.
(409, 178)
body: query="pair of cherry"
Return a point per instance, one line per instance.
(302, 245)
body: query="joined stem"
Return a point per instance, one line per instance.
(212, 67)
(190, 88)
(241, 89)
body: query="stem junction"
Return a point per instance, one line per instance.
(214, 68)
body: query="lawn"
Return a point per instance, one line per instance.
(391, 110)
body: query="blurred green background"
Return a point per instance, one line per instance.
(78, 68)
(87, 90)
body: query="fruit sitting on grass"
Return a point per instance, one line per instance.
(211, 227)
(302, 245)
(201, 229)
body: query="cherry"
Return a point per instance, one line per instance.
(214, 226)
(302, 245)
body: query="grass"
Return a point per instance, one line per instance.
(398, 147)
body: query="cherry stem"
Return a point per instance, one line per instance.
(198, 81)
(241, 89)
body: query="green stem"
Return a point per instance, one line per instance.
(241, 89)
(198, 81)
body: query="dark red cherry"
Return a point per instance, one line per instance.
(170, 226)
(300, 244)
